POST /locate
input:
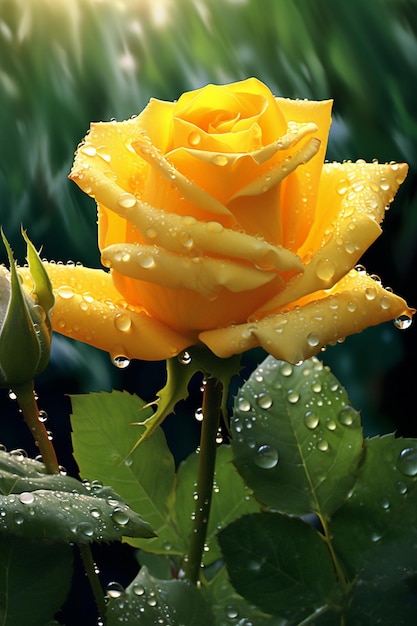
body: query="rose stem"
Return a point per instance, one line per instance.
(212, 397)
(27, 403)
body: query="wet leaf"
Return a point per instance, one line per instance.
(296, 439)
(280, 564)
(231, 498)
(35, 578)
(103, 438)
(172, 602)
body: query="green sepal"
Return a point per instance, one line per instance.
(20, 348)
(180, 371)
(42, 286)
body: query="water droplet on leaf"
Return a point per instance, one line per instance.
(407, 462)
(266, 457)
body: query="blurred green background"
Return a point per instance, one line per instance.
(64, 64)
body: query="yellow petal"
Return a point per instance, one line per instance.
(90, 309)
(352, 201)
(174, 232)
(355, 303)
(203, 275)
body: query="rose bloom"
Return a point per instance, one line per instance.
(222, 225)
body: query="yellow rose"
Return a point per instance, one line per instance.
(222, 225)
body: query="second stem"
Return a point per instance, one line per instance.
(212, 398)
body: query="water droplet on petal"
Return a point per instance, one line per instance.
(194, 138)
(123, 322)
(65, 292)
(220, 159)
(403, 322)
(126, 200)
(407, 462)
(120, 361)
(313, 340)
(146, 261)
(266, 457)
(325, 270)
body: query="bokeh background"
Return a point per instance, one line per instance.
(64, 64)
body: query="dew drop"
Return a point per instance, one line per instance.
(348, 416)
(370, 293)
(385, 302)
(407, 462)
(231, 612)
(194, 138)
(152, 601)
(120, 361)
(26, 497)
(18, 519)
(384, 503)
(322, 445)
(220, 160)
(184, 358)
(151, 233)
(88, 150)
(43, 416)
(331, 425)
(286, 369)
(138, 589)
(126, 200)
(146, 261)
(85, 528)
(65, 292)
(94, 512)
(264, 401)
(214, 227)
(243, 405)
(402, 488)
(293, 396)
(115, 590)
(266, 457)
(199, 414)
(325, 270)
(403, 322)
(376, 536)
(311, 420)
(123, 322)
(120, 517)
(313, 340)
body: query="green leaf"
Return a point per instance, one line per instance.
(280, 564)
(35, 504)
(229, 608)
(35, 578)
(150, 601)
(231, 498)
(375, 530)
(296, 440)
(42, 287)
(103, 437)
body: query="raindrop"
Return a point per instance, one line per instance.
(231, 612)
(322, 445)
(313, 340)
(407, 462)
(123, 322)
(199, 414)
(65, 292)
(385, 503)
(214, 227)
(12, 395)
(370, 293)
(120, 517)
(348, 416)
(151, 233)
(311, 420)
(146, 261)
(152, 601)
(94, 512)
(264, 401)
(293, 396)
(243, 405)
(184, 358)
(43, 416)
(194, 138)
(115, 590)
(120, 361)
(402, 488)
(18, 519)
(85, 528)
(325, 270)
(403, 322)
(220, 159)
(375, 536)
(331, 425)
(26, 497)
(266, 457)
(126, 200)
(138, 589)
(385, 302)
(286, 369)
(88, 150)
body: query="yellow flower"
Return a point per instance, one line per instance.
(222, 224)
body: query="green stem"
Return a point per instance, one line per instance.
(212, 398)
(27, 402)
(28, 405)
(90, 569)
